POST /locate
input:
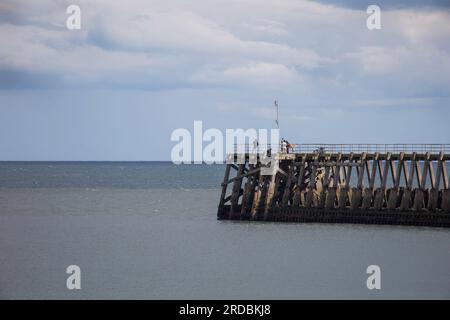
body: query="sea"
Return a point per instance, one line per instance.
(148, 230)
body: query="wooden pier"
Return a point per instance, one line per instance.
(372, 184)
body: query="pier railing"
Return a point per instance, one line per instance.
(432, 148)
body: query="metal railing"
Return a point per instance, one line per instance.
(432, 148)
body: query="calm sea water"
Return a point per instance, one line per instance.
(149, 230)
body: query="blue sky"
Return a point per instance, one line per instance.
(137, 70)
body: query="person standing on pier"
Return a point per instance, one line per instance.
(283, 145)
(288, 146)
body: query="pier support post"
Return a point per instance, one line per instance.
(312, 181)
(369, 192)
(269, 195)
(396, 175)
(380, 193)
(446, 200)
(418, 192)
(326, 183)
(224, 190)
(287, 187)
(344, 194)
(247, 197)
(258, 197)
(406, 201)
(298, 186)
(358, 191)
(236, 190)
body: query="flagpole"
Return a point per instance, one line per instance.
(278, 124)
(276, 105)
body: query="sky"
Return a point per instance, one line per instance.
(137, 70)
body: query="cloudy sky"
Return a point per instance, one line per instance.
(137, 70)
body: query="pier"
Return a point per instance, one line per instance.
(395, 184)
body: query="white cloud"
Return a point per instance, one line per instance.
(431, 28)
(379, 60)
(117, 41)
(34, 49)
(278, 44)
(260, 74)
(188, 32)
(266, 26)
